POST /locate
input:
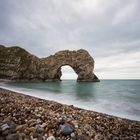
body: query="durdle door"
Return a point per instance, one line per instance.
(19, 65)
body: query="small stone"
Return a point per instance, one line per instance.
(79, 137)
(87, 137)
(30, 129)
(116, 138)
(19, 128)
(33, 134)
(32, 124)
(76, 126)
(72, 135)
(39, 129)
(15, 136)
(61, 120)
(98, 137)
(36, 110)
(14, 114)
(6, 100)
(38, 121)
(34, 138)
(51, 138)
(66, 129)
(8, 125)
(38, 115)
(43, 125)
(4, 126)
(11, 125)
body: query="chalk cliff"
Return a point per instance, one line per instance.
(19, 65)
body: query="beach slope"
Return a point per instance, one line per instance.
(23, 117)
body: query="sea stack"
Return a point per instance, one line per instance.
(19, 65)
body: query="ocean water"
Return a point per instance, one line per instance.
(115, 97)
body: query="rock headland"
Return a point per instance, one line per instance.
(18, 64)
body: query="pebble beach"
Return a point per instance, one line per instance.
(24, 117)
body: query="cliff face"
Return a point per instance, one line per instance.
(17, 64)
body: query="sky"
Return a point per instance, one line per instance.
(108, 30)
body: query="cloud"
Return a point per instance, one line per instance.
(109, 30)
(122, 66)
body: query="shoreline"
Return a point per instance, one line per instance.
(19, 92)
(42, 119)
(27, 92)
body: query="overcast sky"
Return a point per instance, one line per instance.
(108, 29)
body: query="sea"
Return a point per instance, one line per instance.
(119, 98)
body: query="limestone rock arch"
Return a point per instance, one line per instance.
(19, 65)
(80, 61)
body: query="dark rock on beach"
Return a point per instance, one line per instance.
(28, 118)
(66, 129)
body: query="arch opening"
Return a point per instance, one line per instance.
(68, 73)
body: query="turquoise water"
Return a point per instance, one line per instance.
(115, 97)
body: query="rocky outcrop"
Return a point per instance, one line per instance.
(17, 64)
